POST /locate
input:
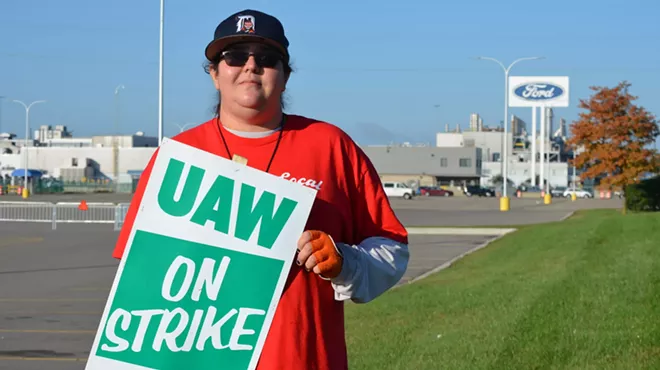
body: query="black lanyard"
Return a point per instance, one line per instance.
(276, 144)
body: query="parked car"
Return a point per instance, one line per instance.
(558, 191)
(398, 189)
(580, 193)
(530, 189)
(526, 186)
(478, 191)
(434, 191)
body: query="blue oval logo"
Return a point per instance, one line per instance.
(538, 91)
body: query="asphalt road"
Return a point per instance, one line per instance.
(54, 285)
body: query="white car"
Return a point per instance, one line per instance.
(578, 193)
(398, 189)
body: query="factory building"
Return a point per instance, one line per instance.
(427, 166)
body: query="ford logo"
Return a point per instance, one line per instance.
(538, 91)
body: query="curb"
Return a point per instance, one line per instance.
(497, 233)
(450, 262)
(568, 215)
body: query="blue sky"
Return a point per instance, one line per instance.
(383, 72)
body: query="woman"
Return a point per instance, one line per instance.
(354, 247)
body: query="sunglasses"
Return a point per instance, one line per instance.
(263, 58)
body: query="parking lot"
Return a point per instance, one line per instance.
(54, 283)
(462, 211)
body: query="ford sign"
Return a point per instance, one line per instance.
(538, 91)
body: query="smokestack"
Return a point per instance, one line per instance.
(447, 127)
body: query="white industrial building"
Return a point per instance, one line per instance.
(476, 122)
(56, 153)
(520, 167)
(120, 158)
(69, 164)
(490, 142)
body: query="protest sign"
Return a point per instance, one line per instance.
(204, 266)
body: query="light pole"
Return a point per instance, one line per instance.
(27, 134)
(502, 152)
(160, 73)
(115, 141)
(504, 203)
(1, 97)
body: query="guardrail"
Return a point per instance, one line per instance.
(64, 212)
(120, 215)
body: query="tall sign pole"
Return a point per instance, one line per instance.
(549, 149)
(540, 92)
(160, 73)
(534, 149)
(543, 175)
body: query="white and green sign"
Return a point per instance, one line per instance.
(204, 267)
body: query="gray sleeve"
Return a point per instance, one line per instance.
(370, 268)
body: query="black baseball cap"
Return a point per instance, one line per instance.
(248, 26)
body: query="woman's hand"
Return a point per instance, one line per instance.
(317, 252)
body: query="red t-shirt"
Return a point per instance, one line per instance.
(307, 331)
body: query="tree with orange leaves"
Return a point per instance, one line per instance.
(615, 137)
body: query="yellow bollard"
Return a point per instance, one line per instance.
(504, 204)
(25, 193)
(573, 197)
(547, 199)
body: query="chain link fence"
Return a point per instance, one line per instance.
(64, 212)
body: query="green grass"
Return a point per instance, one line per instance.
(580, 294)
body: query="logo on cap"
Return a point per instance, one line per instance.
(245, 24)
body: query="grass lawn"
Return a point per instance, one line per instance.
(580, 294)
